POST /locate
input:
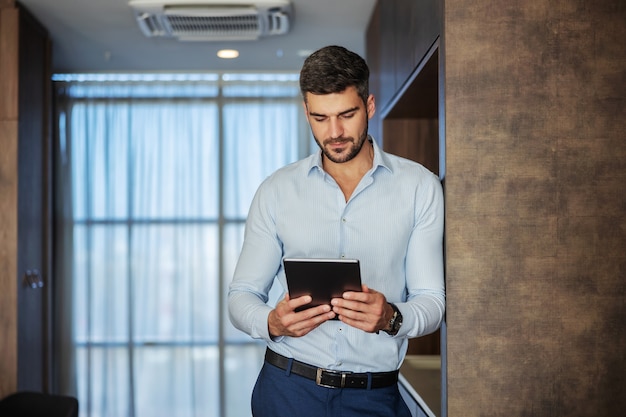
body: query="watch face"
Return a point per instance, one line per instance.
(398, 322)
(395, 322)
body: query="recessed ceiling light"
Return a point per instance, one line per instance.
(228, 53)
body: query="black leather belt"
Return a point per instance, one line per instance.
(329, 378)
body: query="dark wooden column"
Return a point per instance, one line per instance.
(9, 35)
(25, 201)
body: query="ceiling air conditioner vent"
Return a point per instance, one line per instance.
(210, 20)
(152, 24)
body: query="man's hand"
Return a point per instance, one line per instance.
(285, 321)
(367, 310)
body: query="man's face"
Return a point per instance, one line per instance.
(339, 123)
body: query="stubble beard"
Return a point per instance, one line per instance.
(341, 157)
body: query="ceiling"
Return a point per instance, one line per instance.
(102, 36)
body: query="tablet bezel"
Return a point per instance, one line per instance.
(321, 278)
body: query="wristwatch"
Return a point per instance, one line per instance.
(396, 321)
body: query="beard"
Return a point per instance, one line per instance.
(343, 156)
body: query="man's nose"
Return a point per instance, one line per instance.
(336, 128)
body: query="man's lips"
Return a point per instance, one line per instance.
(337, 143)
(338, 148)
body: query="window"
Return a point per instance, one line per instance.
(156, 173)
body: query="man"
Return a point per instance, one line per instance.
(351, 200)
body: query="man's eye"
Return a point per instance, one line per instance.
(348, 115)
(320, 119)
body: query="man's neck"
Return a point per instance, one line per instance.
(348, 174)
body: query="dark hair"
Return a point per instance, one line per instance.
(332, 69)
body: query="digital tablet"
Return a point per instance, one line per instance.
(322, 279)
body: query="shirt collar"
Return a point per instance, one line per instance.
(380, 159)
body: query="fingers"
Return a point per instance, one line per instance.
(285, 321)
(298, 324)
(362, 310)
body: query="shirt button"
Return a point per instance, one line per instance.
(344, 220)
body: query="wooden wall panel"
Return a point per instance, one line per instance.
(411, 130)
(25, 226)
(8, 257)
(416, 139)
(417, 25)
(388, 83)
(535, 111)
(373, 58)
(399, 36)
(8, 197)
(8, 62)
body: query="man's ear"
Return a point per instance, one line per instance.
(371, 106)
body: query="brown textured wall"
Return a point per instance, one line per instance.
(535, 102)
(8, 196)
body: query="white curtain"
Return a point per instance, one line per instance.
(154, 177)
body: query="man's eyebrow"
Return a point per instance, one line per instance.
(355, 108)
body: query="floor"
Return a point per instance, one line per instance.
(423, 373)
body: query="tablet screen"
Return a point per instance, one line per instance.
(322, 279)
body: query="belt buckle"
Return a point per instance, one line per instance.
(320, 374)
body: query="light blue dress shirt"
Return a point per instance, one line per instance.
(393, 223)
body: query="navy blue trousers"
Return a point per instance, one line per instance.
(280, 394)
